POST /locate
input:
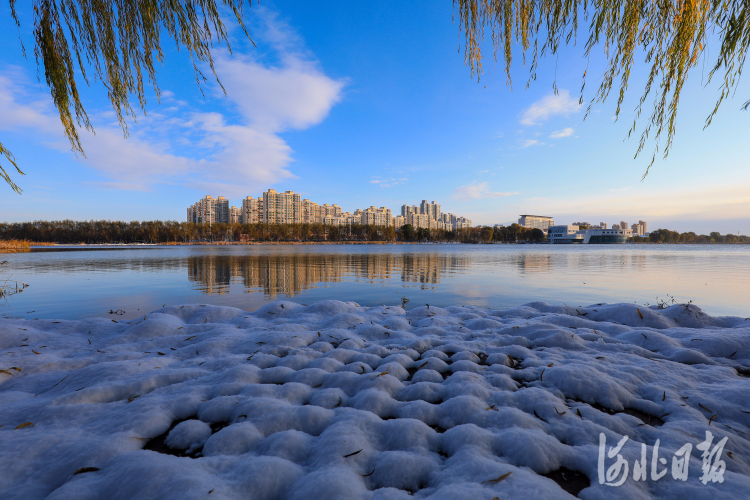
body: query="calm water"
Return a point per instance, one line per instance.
(74, 283)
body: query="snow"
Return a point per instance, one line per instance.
(189, 435)
(334, 400)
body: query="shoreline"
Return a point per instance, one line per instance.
(29, 245)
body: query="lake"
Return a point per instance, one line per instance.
(75, 282)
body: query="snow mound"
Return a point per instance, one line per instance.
(188, 435)
(334, 400)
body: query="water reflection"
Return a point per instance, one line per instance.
(535, 263)
(81, 282)
(291, 274)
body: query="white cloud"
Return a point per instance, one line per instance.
(176, 144)
(128, 163)
(476, 191)
(551, 105)
(296, 95)
(530, 142)
(566, 132)
(389, 182)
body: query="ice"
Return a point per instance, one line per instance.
(334, 400)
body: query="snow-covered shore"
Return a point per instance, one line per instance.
(333, 400)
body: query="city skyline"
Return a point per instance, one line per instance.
(289, 208)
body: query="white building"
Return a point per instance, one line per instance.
(573, 234)
(536, 222)
(563, 233)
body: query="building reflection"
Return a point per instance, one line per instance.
(289, 275)
(535, 262)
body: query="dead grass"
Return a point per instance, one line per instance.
(14, 244)
(20, 245)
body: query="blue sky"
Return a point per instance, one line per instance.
(360, 104)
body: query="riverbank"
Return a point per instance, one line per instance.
(12, 246)
(333, 400)
(242, 243)
(26, 245)
(8, 245)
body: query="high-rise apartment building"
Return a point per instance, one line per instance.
(209, 210)
(639, 229)
(343, 219)
(281, 208)
(375, 216)
(623, 224)
(430, 216)
(462, 222)
(431, 209)
(327, 210)
(409, 209)
(418, 220)
(536, 222)
(235, 215)
(310, 212)
(191, 215)
(252, 210)
(287, 208)
(222, 210)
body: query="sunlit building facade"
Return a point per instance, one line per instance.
(209, 210)
(282, 208)
(536, 222)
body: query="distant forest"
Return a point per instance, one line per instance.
(667, 236)
(173, 232)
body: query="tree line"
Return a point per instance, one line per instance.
(667, 236)
(120, 232)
